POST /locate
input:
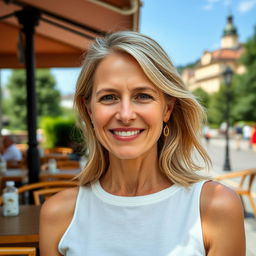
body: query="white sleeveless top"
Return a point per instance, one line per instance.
(166, 223)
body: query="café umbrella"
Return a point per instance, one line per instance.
(52, 33)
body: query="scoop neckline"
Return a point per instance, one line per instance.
(132, 200)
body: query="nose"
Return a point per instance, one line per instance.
(126, 112)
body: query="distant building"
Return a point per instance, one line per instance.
(67, 101)
(207, 72)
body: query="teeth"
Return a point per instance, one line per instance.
(126, 134)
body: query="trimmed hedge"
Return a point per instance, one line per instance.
(60, 132)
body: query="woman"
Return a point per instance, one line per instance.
(140, 193)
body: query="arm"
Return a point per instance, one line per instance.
(222, 221)
(55, 216)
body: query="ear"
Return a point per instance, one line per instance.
(170, 103)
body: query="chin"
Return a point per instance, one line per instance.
(127, 154)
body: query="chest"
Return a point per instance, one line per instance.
(167, 228)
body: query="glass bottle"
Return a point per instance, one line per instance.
(2, 165)
(52, 165)
(10, 200)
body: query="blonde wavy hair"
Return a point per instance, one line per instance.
(177, 151)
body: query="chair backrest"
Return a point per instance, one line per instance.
(16, 164)
(23, 190)
(29, 251)
(67, 164)
(243, 175)
(56, 177)
(62, 165)
(58, 150)
(243, 188)
(58, 157)
(43, 194)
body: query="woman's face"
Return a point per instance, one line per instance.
(126, 109)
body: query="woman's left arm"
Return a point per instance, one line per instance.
(222, 221)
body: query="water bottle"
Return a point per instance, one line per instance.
(10, 200)
(52, 166)
(2, 165)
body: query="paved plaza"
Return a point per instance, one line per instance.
(239, 159)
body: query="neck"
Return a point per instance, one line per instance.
(134, 177)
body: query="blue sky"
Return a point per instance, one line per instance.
(184, 28)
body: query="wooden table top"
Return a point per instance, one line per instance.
(15, 173)
(59, 175)
(22, 229)
(70, 172)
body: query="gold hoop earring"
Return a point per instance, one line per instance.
(166, 130)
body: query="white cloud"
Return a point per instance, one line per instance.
(246, 6)
(207, 7)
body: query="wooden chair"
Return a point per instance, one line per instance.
(44, 159)
(244, 187)
(16, 164)
(56, 176)
(58, 150)
(23, 190)
(63, 165)
(29, 251)
(18, 178)
(43, 194)
(67, 165)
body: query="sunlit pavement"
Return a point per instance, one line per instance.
(239, 159)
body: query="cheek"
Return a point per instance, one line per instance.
(153, 115)
(101, 116)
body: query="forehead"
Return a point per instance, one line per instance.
(120, 68)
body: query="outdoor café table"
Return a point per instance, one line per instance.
(21, 230)
(59, 174)
(17, 175)
(58, 157)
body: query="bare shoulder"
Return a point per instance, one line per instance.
(218, 198)
(55, 217)
(222, 220)
(59, 204)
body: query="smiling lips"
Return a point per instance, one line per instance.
(126, 133)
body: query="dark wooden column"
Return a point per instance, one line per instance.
(29, 18)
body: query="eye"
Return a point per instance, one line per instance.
(108, 98)
(143, 97)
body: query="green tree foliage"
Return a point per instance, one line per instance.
(245, 85)
(216, 106)
(48, 97)
(202, 96)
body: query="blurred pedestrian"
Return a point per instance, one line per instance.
(238, 135)
(9, 150)
(206, 133)
(253, 138)
(247, 132)
(223, 128)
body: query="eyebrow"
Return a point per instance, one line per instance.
(111, 90)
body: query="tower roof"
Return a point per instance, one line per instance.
(230, 29)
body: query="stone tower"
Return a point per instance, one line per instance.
(229, 39)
